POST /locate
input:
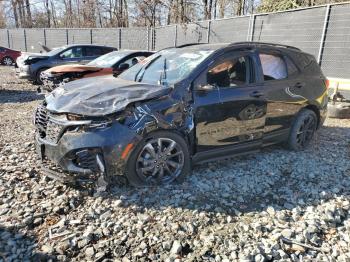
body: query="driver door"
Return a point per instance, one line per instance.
(229, 107)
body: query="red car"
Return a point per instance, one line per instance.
(8, 56)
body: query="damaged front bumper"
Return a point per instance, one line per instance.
(23, 72)
(49, 84)
(82, 154)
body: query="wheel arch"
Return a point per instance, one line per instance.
(184, 135)
(316, 110)
(38, 71)
(43, 68)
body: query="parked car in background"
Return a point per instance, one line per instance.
(112, 63)
(182, 106)
(32, 66)
(8, 56)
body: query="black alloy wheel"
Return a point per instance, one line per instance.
(160, 158)
(303, 130)
(306, 131)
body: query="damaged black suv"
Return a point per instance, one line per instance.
(182, 106)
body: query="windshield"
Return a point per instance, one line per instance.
(166, 67)
(107, 60)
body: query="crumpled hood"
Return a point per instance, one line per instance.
(25, 55)
(34, 55)
(72, 68)
(99, 96)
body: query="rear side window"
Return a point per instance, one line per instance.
(93, 51)
(133, 60)
(106, 50)
(273, 66)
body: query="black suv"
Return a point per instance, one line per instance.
(182, 106)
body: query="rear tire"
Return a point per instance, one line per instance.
(8, 61)
(162, 157)
(303, 129)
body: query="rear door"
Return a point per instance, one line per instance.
(232, 110)
(281, 83)
(90, 53)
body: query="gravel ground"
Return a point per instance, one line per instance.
(275, 205)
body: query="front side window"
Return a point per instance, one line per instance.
(273, 66)
(230, 72)
(74, 52)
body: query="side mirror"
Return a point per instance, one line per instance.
(123, 66)
(205, 88)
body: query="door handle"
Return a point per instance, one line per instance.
(299, 85)
(256, 94)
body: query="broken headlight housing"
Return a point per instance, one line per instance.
(95, 122)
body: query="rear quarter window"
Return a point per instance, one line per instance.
(304, 60)
(291, 67)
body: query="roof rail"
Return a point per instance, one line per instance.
(190, 44)
(179, 46)
(264, 43)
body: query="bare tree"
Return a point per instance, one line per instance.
(14, 8)
(53, 13)
(29, 20)
(2, 16)
(48, 13)
(208, 6)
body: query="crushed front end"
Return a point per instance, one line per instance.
(53, 80)
(73, 148)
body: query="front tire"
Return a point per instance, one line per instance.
(303, 129)
(160, 158)
(39, 76)
(8, 61)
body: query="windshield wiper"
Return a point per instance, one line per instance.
(163, 76)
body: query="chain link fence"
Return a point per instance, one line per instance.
(323, 31)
